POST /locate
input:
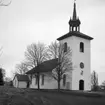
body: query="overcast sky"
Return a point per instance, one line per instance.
(27, 21)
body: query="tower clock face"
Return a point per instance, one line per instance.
(81, 65)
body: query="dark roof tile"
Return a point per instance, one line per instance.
(75, 33)
(22, 77)
(46, 66)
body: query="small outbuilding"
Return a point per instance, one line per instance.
(21, 81)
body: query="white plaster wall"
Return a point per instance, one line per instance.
(77, 57)
(49, 83)
(15, 82)
(22, 84)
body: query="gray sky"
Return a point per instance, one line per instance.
(27, 21)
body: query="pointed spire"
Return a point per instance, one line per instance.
(74, 23)
(74, 11)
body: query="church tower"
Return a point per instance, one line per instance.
(79, 44)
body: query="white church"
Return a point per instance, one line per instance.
(80, 44)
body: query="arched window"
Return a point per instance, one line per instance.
(65, 47)
(64, 80)
(81, 47)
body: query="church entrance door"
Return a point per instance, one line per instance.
(81, 85)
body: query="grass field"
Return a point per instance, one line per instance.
(16, 96)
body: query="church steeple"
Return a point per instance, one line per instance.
(74, 23)
(74, 12)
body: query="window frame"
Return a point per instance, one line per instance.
(36, 79)
(82, 47)
(64, 80)
(42, 79)
(65, 47)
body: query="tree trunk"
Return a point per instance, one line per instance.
(58, 85)
(38, 78)
(58, 80)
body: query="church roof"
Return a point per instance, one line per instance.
(75, 33)
(21, 77)
(46, 66)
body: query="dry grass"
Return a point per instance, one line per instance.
(17, 96)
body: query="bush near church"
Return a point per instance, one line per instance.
(1, 77)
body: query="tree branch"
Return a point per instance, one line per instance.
(2, 4)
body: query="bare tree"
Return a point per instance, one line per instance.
(3, 72)
(35, 55)
(94, 81)
(4, 3)
(8, 79)
(102, 86)
(1, 76)
(53, 50)
(22, 68)
(13, 73)
(57, 50)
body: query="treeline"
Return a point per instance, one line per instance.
(94, 83)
